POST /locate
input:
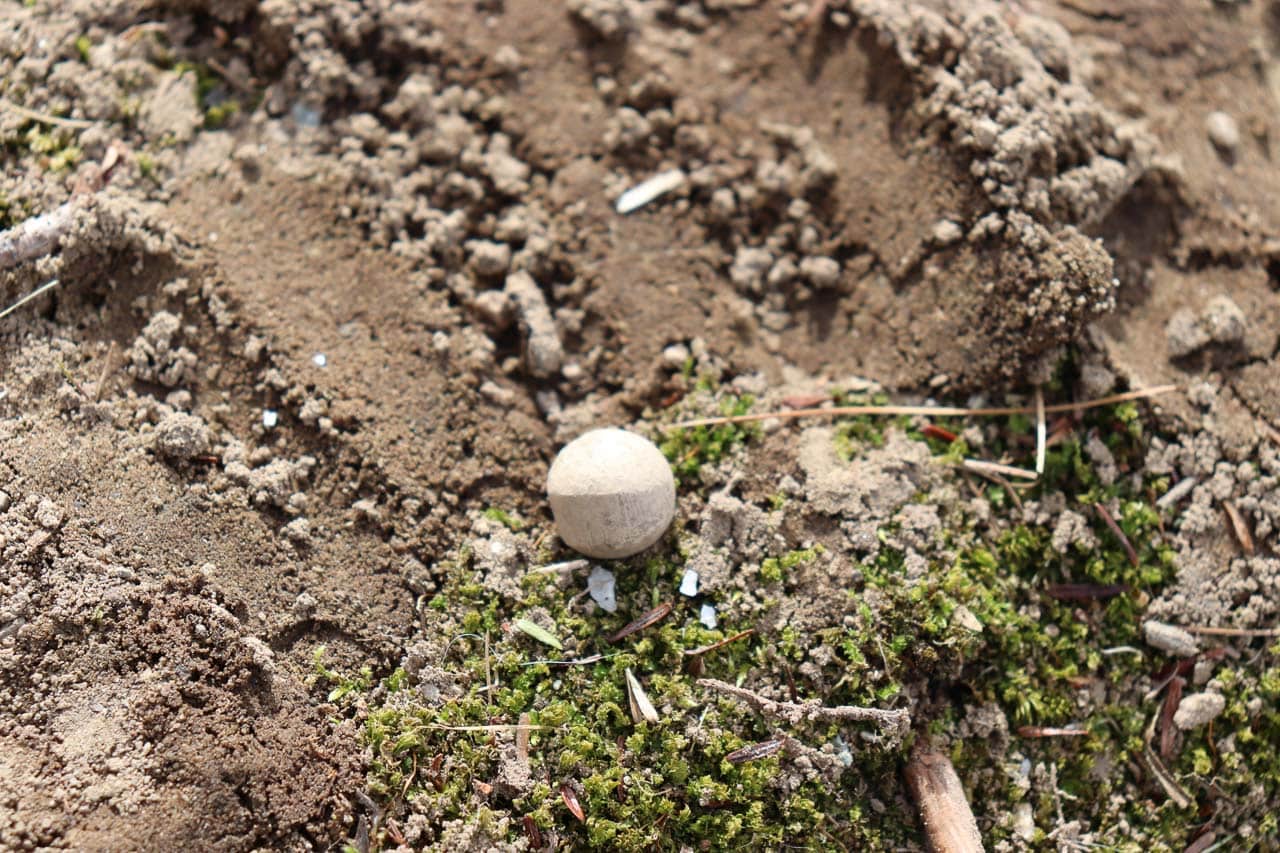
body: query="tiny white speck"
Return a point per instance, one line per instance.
(708, 617)
(319, 359)
(270, 417)
(689, 583)
(213, 236)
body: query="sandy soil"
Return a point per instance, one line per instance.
(286, 370)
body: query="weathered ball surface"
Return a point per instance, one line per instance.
(612, 493)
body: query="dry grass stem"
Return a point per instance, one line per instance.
(933, 411)
(1041, 432)
(979, 466)
(35, 294)
(1232, 632)
(44, 118)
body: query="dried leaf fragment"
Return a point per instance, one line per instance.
(641, 708)
(542, 635)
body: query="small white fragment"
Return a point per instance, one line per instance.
(1177, 493)
(707, 616)
(319, 359)
(600, 584)
(689, 583)
(648, 190)
(270, 417)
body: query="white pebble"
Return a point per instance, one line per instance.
(612, 494)
(1223, 132)
(707, 616)
(319, 359)
(601, 586)
(646, 191)
(270, 417)
(689, 583)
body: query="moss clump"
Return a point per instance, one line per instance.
(688, 449)
(857, 433)
(509, 520)
(641, 785)
(774, 569)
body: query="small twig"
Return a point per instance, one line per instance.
(1085, 591)
(1232, 632)
(1041, 432)
(932, 411)
(999, 481)
(979, 466)
(108, 366)
(47, 286)
(45, 118)
(811, 710)
(935, 786)
(1119, 534)
(1240, 527)
(37, 236)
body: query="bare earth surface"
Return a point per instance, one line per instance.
(294, 363)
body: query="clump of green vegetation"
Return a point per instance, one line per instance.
(509, 520)
(83, 46)
(688, 449)
(774, 569)
(212, 93)
(55, 146)
(1004, 619)
(856, 433)
(639, 784)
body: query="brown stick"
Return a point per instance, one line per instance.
(797, 712)
(948, 821)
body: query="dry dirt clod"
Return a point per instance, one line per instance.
(544, 353)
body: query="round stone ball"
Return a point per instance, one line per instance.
(612, 493)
